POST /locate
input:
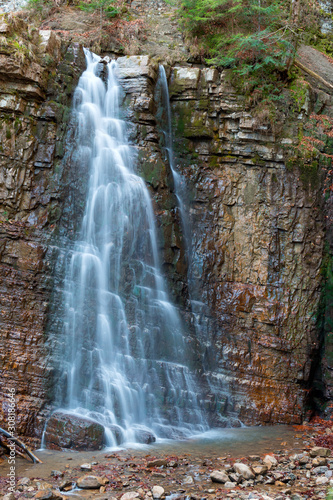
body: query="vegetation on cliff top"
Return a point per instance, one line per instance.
(257, 39)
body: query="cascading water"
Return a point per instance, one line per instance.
(123, 350)
(216, 387)
(162, 92)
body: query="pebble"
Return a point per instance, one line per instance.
(322, 480)
(188, 480)
(85, 467)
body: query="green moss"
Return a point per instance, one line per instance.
(299, 92)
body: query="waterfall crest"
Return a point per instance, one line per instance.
(124, 358)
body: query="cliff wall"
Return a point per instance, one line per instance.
(250, 286)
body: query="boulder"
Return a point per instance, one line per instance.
(69, 431)
(219, 476)
(144, 436)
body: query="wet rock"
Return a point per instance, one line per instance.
(188, 480)
(318, 451)
(157, 491)
(157, 463)
(68, 431)
(219, 476)
(66, 485)
(144, 436)
(244, 471)
(90, 482)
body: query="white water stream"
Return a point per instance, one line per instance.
(124, 359)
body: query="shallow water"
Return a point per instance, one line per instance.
(212, 444)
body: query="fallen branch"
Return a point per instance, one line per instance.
(19, 443)
(315, 75)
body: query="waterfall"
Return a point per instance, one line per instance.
(162, 95)
(216, 387)
(124, 359)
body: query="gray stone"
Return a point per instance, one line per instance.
(130, 495)
(89, 482)
(86, 467)
(318, 461)
(318, 451)
(185, 78)
(219, 476)
(158, 492)
(188, 480)
(134, 67)
(322, 480)
(270, 461)
(229, 484)
(244, 470)
(259, 469)
(320, 470)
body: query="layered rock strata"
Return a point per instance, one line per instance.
(250, 290)
(257, 244)
(37, 75)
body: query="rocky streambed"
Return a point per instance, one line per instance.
(301, 468)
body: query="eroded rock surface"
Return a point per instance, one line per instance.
(67, 431)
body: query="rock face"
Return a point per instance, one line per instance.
(251, 288)
(257, 245)
(36, 84)
(67, 431)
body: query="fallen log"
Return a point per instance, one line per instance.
(312, 73)
(24, 447)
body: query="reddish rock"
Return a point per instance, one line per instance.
(68, 431)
